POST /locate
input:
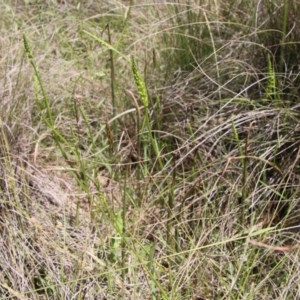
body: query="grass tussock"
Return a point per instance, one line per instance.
(149, 150)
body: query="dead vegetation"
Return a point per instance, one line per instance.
(192, 196)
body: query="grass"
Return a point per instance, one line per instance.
(149, 150)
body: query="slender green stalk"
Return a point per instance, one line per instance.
(112, 75)
(284, 33)
(143, 94)
(124, 222)
(44, 102)
(271, 80)
(214, 49)
(244, 161)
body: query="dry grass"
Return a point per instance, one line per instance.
(195, 196)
